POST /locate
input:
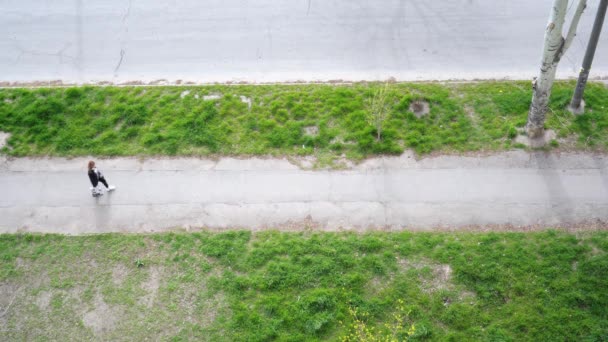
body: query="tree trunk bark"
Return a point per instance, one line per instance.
(575, 104)
(554, 47)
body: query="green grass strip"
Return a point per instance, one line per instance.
(289, 120)
(240, 286)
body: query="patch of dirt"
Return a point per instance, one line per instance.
(444, 271)
(92, 262)
(596, 251)
(19, 262)
(440, 278)
(306, 224)
(52, 83)
(246, 100)
(420, 108)
(135, 83)
(151, 287)
(76, 293)
(119, 274)
(312, 131)
(210, 97)
(340, 140)
(377, 285)
(312, 162)
(306, 162)
(103, 318)
(539, 142)
(472, 115)
(43, 300)
(4, 138)
(343, 163)
(8, 296)
(214, 305)
(160, 81)
(567, 143)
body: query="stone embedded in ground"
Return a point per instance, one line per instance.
(184, 93)
(212, 97)
(311, 131)
(541, 141)
(420, 108)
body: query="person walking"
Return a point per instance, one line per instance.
(95, 176)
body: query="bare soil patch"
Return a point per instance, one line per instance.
(151, 286)
(211, 97)
(8, 295)
(4, 138)
(539, 142)
(312, 131)
(44, 299)
(119, 274)
(470, 111)
(103, 318)
(420, 108)
(246, 100)
(434, 277)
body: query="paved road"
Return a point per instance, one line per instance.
(267, 41)
(154, 195)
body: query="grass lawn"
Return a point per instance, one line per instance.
(241, 286)
(327, 121)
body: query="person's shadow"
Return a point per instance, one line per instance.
(102, 212)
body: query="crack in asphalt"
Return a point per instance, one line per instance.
(122, 55)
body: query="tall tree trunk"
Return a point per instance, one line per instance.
(575, 104)
(554, 48)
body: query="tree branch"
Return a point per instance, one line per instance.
(582, 4)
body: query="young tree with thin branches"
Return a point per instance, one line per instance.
(555, 46)
(378, 111)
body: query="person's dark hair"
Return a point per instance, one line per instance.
(91, 165)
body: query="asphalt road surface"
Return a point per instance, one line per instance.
(280, 41)
(515, 188)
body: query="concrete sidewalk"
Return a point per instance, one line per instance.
(514, 188)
